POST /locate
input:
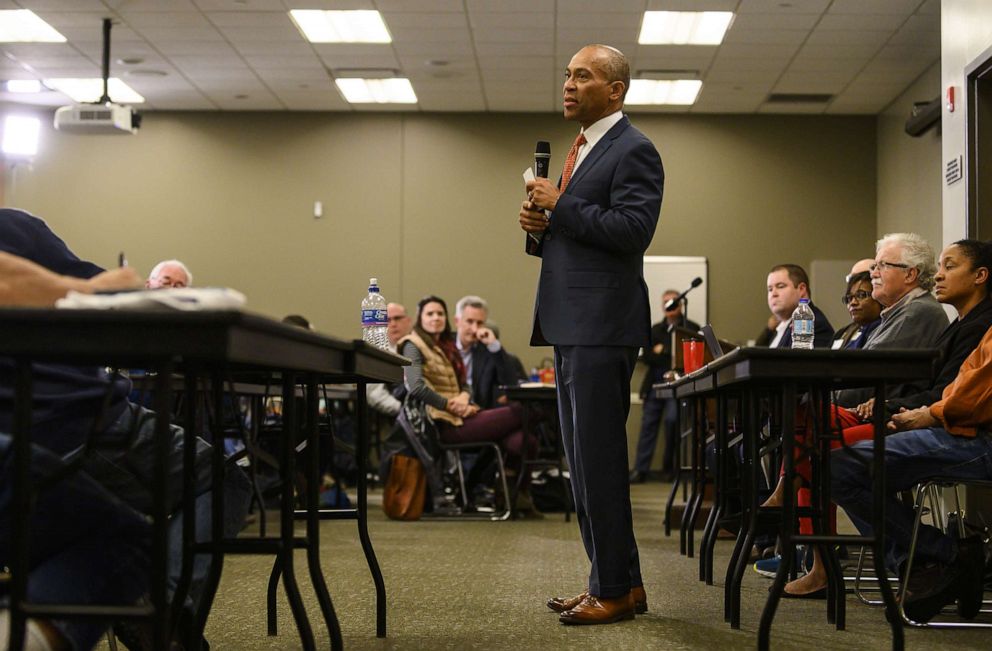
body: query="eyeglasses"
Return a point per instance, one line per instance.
(858, 296)
(882, 265)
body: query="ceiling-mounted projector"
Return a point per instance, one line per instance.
(106, 118)
(102, 116)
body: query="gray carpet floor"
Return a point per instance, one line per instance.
(482, 585)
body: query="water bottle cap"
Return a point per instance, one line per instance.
(804, 301)
(373, 281)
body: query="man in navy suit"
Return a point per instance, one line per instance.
(591, 231)
(486, 362)
(787, 283)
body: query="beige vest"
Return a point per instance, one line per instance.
(439, 375)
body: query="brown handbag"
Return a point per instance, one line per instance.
(406, 489)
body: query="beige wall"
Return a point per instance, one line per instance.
(428, 203)
(966, 32)
(909, 170)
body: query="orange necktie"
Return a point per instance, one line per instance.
(573, 153)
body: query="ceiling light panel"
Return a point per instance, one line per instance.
(90, 90)
(396, 90)
(320, 26)
(684, 27)
(680, 92)
(24, 26)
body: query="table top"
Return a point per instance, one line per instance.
(531, 392)
(837, 368)
(232, 338)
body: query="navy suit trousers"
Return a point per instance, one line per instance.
(593, 402)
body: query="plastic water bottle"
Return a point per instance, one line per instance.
(803, 325)
(374, 318)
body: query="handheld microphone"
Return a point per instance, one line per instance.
(671, 305)
(542, 158)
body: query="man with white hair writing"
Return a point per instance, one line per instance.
(169, 274)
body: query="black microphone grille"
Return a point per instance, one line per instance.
(543, 147)
(697, 281)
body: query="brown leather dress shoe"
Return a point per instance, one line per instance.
(594, 610)
(640, 599)
(561, 604)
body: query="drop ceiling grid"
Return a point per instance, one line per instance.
(496, 55)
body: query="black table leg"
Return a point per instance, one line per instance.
(750, 473)
(363, 511)
(785, 567)
(20, 514)
(313, 516)
(878, 524)
(287, 512)
(677, 479)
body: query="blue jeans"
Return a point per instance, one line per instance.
(86, 545)
(910, 457)
(654, 412)
(127, 471)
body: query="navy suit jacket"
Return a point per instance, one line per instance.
(591, 291)
(489, 372)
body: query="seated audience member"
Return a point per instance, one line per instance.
(901, 278)
(297, 320)
(949, 438)
(383, 397)
(848, 333)
(169, 274)
(787, 284)
(518, 373)
(86, 547)
(962, 280)
(486, 363)
(436, 377)
(68, 400)
(656, 410)
(865, 313)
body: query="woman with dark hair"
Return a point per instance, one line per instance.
(436, 376)
(962, 281)
(865, 313)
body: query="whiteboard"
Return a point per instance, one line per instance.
(664, 272)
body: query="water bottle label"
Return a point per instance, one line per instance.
(374, 318)
(802, 328)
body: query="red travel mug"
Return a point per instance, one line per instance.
(692, 355)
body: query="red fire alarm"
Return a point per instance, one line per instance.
(950, 99)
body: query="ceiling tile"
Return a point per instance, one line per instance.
(312, 100)
(419, 5)
(535, 48)
(272, 19)
(838, 38)
(692, 5)
(755, 51)
(140, 19)
(775, 6)
(240, 5)
(594, 6)
(900, 7)
(408, 21)
(510, 21)
(776, 20)
(479, 6)
(766, 36)
(156, 6)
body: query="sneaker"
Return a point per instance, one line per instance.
(769, 566)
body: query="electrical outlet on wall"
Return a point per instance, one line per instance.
(318, 209)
